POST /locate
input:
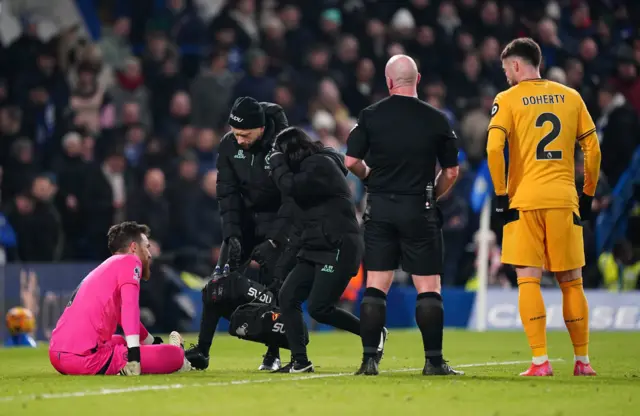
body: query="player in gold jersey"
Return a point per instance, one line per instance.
(541, 121)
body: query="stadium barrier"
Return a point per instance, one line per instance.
(46, 289)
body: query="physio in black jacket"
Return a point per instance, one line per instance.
(331, 244)
(255, 218)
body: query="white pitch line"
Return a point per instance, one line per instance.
(109, 391)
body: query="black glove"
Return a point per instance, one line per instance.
(585, 202)
(275, 159)
(266, 254)
(133, 363)
(502, 206)
(157, 340)
(235, 252)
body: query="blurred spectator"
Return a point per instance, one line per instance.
(552, 52)
(157, 52)
(168, 83)
(627, 80)
(37, 222)
(130, 88)
(104, 200)
(206, 228)
(467, 84)
(275, 44)
(178, 117)
(211, 92)
(557, 75)
(206, 146)
(330, 25)
(90, 102)
(426, 50)
(473, 127)
(298, 37)
(182, 195)
(70, 170)
(328, 98)
(10, 124)
(256, 83)
(179, 19)
(295, 111)
(618, 131)
(19, 169)
(150, 206)
(358, 94)
(577, 27)
(134, 145)
(115, 44)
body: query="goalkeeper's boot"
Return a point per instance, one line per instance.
(383, 338)
(538, 370)
(176, 339)
(197, 358)
(439, 369)
(270, 363)
(296, 367)
(582, 369)
(369, 367)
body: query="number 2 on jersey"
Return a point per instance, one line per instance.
(556, 125)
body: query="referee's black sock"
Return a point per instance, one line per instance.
(373, 314)
(430, 320)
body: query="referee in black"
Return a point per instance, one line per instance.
(394, 148)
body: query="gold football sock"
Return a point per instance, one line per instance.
(533, 314)
(575, 310)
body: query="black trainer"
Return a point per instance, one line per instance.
(369, 367)
(442, 369)
(198, 360)
(296, 367)
(269, 363)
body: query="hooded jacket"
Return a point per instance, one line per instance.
(246, 192)
(322, 194)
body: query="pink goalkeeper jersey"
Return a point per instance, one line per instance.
(106, 298)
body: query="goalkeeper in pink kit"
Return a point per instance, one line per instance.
(84, 340)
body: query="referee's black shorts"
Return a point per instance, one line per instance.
(399, 232)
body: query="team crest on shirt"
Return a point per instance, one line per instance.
(494, 109)
(136, 274)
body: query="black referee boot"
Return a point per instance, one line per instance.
(198, 360)
(439, 369)
(369, 367)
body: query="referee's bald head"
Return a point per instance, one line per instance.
(402, 75)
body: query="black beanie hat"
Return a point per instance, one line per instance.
(246, 114)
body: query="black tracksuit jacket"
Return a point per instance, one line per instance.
(247, 195)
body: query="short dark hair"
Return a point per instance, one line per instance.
(297, 145)
(123, 234)
(525, 48)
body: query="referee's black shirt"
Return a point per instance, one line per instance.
(400, 138)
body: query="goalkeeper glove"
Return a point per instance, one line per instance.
(133, 365)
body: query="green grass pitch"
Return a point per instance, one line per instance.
(233, 386)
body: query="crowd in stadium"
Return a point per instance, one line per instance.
(126, 127)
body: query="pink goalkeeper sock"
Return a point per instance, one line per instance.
(161, 359)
